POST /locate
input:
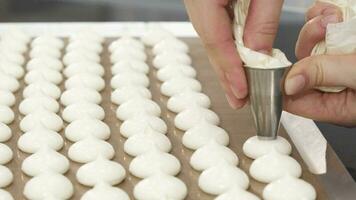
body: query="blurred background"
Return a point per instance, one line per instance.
(342, 139)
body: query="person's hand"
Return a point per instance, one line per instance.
(321, 70)
(211, 20)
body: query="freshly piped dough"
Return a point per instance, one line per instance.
(211, 154)
(44, 62)
(42, 88)
(255, 148)
(8, 83)
(7, 98)
(178, 85)
(41, 119)
(105, 191)
(237, 193)
(83, 128)
(11, 69)
(84, 67)
(187, 99)
(290, 188)
(153, 162)
(124, 79)
(48, 186)
(83, 110)
(127, 53)
(4, 195)
(45, 160)
(175, 70)
(202, 134)
(126, 93)
(147, 141)
(154, 35)
(123, 66)
(160, 186)
(6, 176)
(137, 106)
(170, 44)
(89, 149)
(139, 123)
(167, 58)
(6, 114)
(37, 139)
(6, 154)
(101, 170)
(190, 117)
(48, 40)
(80, 94)
(89, 46)
(5, 132)
(221, 178)
(33, 104)
(85, 80)
(79, 56)
(44, 74)
(45, 51)
(273, 166)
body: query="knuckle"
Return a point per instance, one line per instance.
(266, 30)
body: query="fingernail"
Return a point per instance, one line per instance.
(230, 101)
(294, 85)
(264, 52)
(329, 19)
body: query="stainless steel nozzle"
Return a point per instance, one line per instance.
(265, 90)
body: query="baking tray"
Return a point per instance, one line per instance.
(238, 124)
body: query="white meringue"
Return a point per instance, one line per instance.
(47, 40)
(237, 193)
(127, 53)
(188, 118)
(33, 104)
(105, 191)
(41, 119)
(137, 106)
(80, 94)
(8, 83)
(175, 70)
(44, 62)
(11, 69)
(84, 67)
(87, 35)
(154, 35)
(10, 56)
(127, 93)
(43, 74)
(7, 98)
(79, 56)
(5, 132)
(85, 80)
(187, 99)
(6, 154)
(15, 33)
(128, 78)
(83, 128)
(83, 110)
(140, 123)
(123, 66)
(42, 88)
(35, 140)
(126, 41)
(178, 85)
(255, 148)
(166, 58)
(4, 195)
(7, 116)
(45, 51)
(89, 46)
(170, 44)
(6, 177)
(12, 45)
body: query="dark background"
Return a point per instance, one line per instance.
(342, 139)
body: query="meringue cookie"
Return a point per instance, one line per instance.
(178, 85)
(166, 58)
(154, 35)
(44, 62)
(42, 88)
(5, 132)
(87, 36)
(153, 162)
(83, 110)
(187, 99)
(8, 83)
(45, 160)
(79, 56)
(160, 186)
(124, 79)
(85, 80)
(45, 51)
(44, 74)
(11, 69)
(4, 195)
(105, 191)
(83, 128)
(33, 104)
(89, 46)
(255, 148)
(127, 93)
(127, 53)
(137, 106)
(6, 115)
(188, 118)
(35, 140)
(140, 123)
(80, 94)
(7, 98)
(41, 119)
(17, 34)
(13, 45)
(47, 40)
(290, 188)
(6, 177)
(221, 178)
(170, 44)
(6, 154)
(126, 41)
(84, 67)
(10, 56)
(48, 185)
(101, 170)
(274, 166)
(89, 149)
(123, 66)
(146, 141)
(237, 193)
(175, 70)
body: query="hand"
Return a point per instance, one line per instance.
(321, 70)
(211, 20)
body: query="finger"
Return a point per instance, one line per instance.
(262, 24)
(321, 70)
(313, 32)
(320, 8)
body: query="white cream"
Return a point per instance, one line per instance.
(87, 35)
(136, 107)
(47, 40)
(126, 41)
(79, 56)
(42, 88)
(170, 44)
(5, 131)
(11, 69)
(45, 51)
(101, 170)
(33, 104)
(17, 34)
(80, 45)
(8, 83)
(290, 188)
(123, 66)
(175, 70)
(11, 56)
(190, 117)
(127, 53)
(85, 80)
(4, 195)
(154, 35)
(43, 74)
(84, 67)
(41, 119)
(255, 148)
(6, 154)
(83, 110)
(84, 128)
(37, 139)
(187, 99)
(44, 62)
(7, 116)
(166, 58)
(128, 78)
(127, 93)
(139, 123)
(178, 85)
(80, 94)
(237, 193)
(7, 98)
(273, 166)
(160, 186)
(13, 45)
(105, 191)
(6, 176)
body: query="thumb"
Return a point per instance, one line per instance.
(321, 70)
